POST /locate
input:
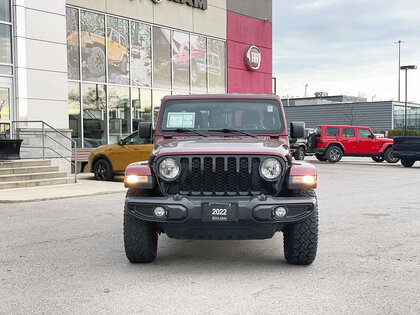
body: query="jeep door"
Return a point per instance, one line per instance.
(349, 140)
(366, 142)
(115, 49)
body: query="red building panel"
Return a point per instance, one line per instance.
(242, 32)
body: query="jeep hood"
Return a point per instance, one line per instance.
(222, 145)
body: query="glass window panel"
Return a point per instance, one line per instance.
(4, 131)
(72, 25)
(141, 55)
(348, 132)
(4, 103)
(157, 100)
(161, 58)
(5, 43)
(198, 63)
(331, 132)
(74, 112)
(364, 133)
(7, 70)
(119, 112)
(181, 60)
(93, 46)
(141, 102)
(117, 49)
(216, 57)
(94, 115)
(5, 10)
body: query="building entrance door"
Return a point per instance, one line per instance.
(5, 107)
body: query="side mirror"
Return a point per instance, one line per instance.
(297, 130)
(120, 142)
(145, 130)
(372, 136)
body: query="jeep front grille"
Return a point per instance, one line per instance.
(220, 176)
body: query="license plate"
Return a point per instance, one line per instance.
(219, 212)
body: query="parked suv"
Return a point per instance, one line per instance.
(221, 170)
(333, 142)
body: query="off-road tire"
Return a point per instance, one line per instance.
(140, 237)
(320, 157)
(299, 154)
(334, 154)
(102, 170)
(300, 240)
(389, 156)
(407, 162)
(378, 158)
(124, 65)
(96, 62)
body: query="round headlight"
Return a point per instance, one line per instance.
(169, 169)
(270, 169)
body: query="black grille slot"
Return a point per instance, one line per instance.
(219, 176)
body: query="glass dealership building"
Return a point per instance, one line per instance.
(96, 68)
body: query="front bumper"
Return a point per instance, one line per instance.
(255, 219)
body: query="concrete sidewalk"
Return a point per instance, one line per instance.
(86, 186)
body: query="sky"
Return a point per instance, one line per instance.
(346, 47)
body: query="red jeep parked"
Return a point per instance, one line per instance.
(331, 143)
(221, 170)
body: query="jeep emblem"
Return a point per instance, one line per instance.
(253, 58)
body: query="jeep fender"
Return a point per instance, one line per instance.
(384, 147)
(301, 176)
(338, 144)
(139, 175)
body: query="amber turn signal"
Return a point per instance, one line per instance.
(307, 179)
(135, 179)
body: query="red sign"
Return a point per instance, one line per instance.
(253, 58)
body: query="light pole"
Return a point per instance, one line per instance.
(399, 67)
(406, 68)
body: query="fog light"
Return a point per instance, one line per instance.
(279, 212)
(159, 212)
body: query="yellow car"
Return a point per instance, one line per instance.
(112, 159)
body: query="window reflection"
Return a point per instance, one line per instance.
(118, 53)
(141, 58)
(181, 60)
(72, 22)
(141, 102)
(216, 65)
(74, 112)
(4, 131)
(161, 58)
(5, 10)
(5, 43)
(94, 115)
(119, 112)
(93, 46)
(198, 63)
(157, 100)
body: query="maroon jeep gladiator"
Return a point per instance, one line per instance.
(221, 170)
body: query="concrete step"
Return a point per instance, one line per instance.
(39, 182)
(33, 176)
(24, 163)
(28, 170)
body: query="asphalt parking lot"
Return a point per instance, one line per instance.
(66, 256)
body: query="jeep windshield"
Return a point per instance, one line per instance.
(235, 116)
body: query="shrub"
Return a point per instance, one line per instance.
(400, 132)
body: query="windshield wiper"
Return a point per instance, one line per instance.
(227, 130)
(185, 130)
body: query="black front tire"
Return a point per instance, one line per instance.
(103, 170)
(334, 154)
(407, 162)
(389, 156)
(378, 158)
(300, 240)
(299, 154)
(320, 157)
(140, 237)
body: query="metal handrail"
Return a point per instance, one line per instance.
(73, 149)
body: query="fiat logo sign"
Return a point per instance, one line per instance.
(253, 58)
